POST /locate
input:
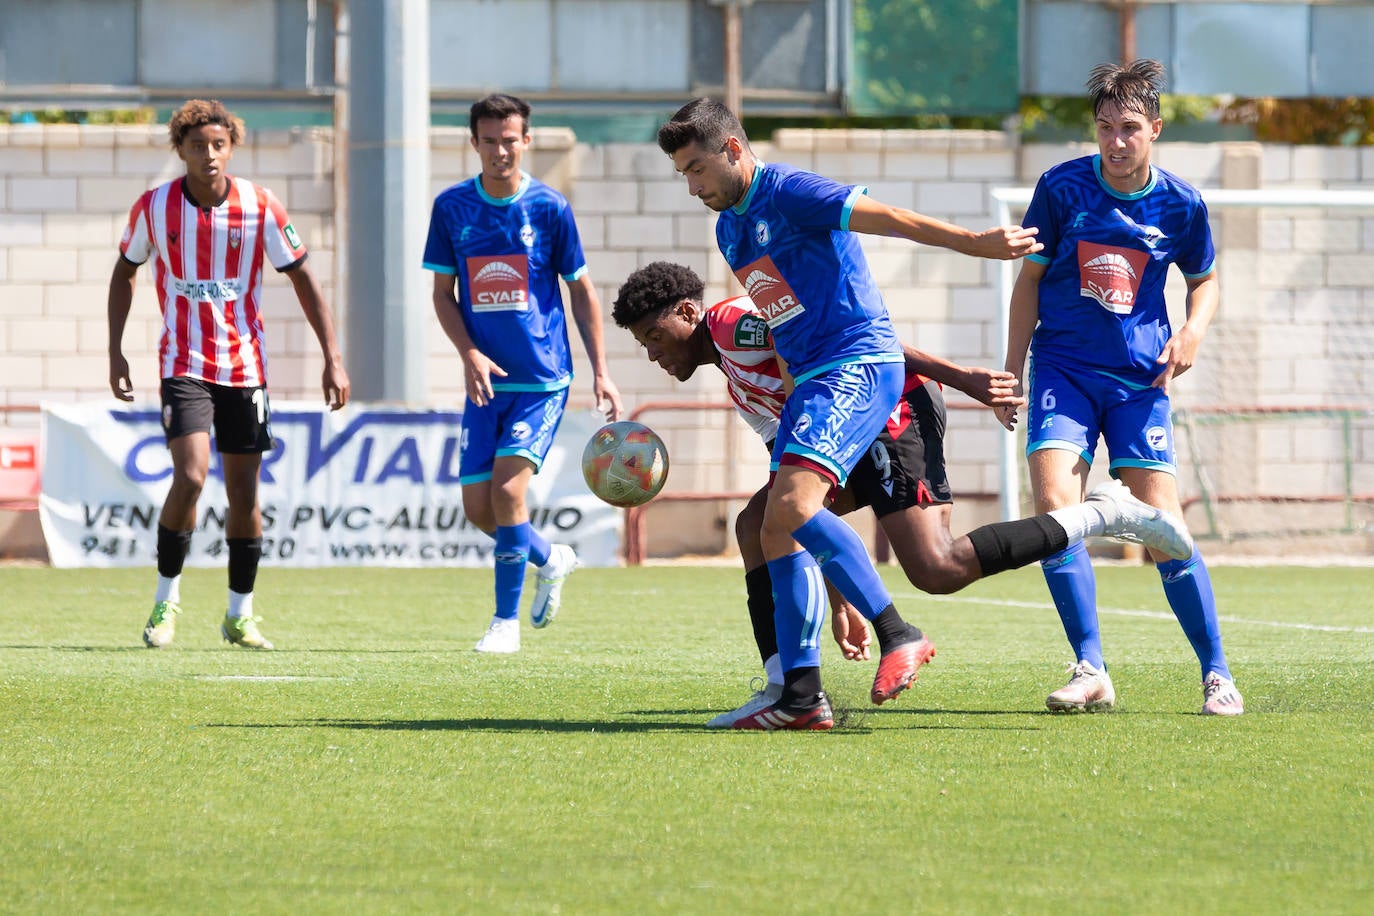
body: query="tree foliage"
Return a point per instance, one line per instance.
(1315, 121)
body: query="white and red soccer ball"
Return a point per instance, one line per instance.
(625, 463)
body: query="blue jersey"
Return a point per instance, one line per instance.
(788, 242)
(507, 255)
(1102, 297)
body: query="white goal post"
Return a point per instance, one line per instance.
(1354, 275)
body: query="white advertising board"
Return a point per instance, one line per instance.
(370, 485)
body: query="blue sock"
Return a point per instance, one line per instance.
(1069, 574)
(1188, 587)
(844, 558)
(798, 609)
(512, 550)
(539, 548)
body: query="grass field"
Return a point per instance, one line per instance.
(375, 763)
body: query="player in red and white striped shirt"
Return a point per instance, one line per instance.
(208, 235)
(902, 476)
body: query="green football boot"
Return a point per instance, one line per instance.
(243, 631)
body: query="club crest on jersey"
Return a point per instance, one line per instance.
(775, 300)
(235, 237)
(1157, 437)
(1110, 275)
(802, 425)
(499, 284)
(751, 333)
(527, 235)
(761, 233)
(520, 431)
(291, 236)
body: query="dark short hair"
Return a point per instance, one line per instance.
(499, 106)
(199, 112)
(653, 288)
(1134, 87)
(704, 121)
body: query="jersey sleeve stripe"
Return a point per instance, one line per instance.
(854, 195)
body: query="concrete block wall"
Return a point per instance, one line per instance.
(1296, 324)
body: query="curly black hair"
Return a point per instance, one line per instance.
(653, 288)
(199, 112)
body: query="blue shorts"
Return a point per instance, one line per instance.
(829, 421)
(1071, 411)
(513, 423)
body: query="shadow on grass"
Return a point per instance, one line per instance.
(506, 725)
(173, 651)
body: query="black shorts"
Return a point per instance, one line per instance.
(908, 470)
(240, 416)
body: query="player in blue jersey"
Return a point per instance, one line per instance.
(901, 476)
(498, 244)
(789, 237)
(1091, 309)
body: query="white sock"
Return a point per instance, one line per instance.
(240, 605)
(772, 669)
(168, 590)
(1079, 521)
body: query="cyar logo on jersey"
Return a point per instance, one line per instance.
(291, 236)
(499, 284)
(775, 300)
(1110, 275)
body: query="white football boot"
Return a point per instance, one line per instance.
(1128, 519)
(503, 636)
(549, 579)
(1220, 697)
(1088, 690)
(765, 695)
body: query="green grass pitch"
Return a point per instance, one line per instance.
(375, 763)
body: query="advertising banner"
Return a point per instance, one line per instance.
(370, 485)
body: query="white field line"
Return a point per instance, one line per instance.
(1128, 612)
(262, 677)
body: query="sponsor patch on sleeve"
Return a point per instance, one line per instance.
(291, 236)
(751, 333)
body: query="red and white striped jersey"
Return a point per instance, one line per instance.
(749, 362)
(208, 273)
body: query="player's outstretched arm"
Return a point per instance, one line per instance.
(586, 310)
(1002, 243)
(118, 304)
(992, 387)
(477, 367)
(334, 380)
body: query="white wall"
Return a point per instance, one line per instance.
(1297, 317)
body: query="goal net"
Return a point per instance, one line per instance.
(1274, 425)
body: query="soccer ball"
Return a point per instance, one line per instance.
(625, 463)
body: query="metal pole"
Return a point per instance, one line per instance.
(341, 230)
(388, 171)
(734, 92)
(1126, 23)
(1010, 501)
